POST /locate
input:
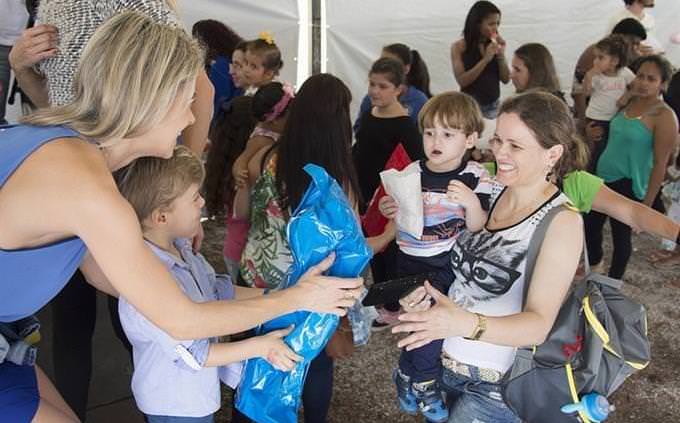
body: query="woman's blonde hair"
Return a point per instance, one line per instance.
(130, 73)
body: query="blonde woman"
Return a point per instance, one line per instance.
(55, 48)
(60, 208)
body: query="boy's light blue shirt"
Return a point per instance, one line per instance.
(169, 378)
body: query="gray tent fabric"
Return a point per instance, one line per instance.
(599, 338)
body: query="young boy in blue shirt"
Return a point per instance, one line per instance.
(179, 380)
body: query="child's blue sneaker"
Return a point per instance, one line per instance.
(407, 401)
(430, 401)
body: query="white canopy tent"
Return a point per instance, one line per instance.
(353, 32)
(357, 30)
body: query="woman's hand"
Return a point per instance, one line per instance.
(491, 50)
(445, 319)
(34, 45)
(388, 207)
(276, 351)
(460, 193)
(594, 132)
(326, 294)
(501, 45)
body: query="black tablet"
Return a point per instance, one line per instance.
(393, 290)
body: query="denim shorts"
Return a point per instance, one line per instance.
(19, 397)
(472, 400)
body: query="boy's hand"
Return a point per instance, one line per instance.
(460, 193)
(388, 207)
(276, 352)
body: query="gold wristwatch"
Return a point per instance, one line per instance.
(479, 329)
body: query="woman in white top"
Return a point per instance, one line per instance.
(482, 320)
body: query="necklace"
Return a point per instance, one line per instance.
(519, 214)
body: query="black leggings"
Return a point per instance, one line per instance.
(621, 233)
(74, 312)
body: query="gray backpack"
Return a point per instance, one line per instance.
(599, 338)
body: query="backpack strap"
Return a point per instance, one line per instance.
(535, 247)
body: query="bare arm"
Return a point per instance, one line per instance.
(269, 347)
(244, 293)
(34, 45)
(250, 175)
(665, 132)
(255, 146)
(588, 82)
(196, 136)
(379, 242)
(95, 277)
(584, 64)
(466, 77)
(137, 274)
(554, 271)
(634, 214)
(503, 68)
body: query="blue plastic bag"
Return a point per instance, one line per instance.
(323, 222)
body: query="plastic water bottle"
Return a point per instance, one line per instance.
(595, 406)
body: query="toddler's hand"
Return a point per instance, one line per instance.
(417, 300)
(276, 352)
(388, 207)
(460, 193)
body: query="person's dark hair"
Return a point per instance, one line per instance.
(319, 131)
(218, 39)
(241, 46)
(664, 66)
(264, 100)
(393, 69)
(228, 139)
(629, 2)
(551, 122)
(672, 95)
(539, 62)
(476, 15)
(630, 26)
(615, 46)
(418, 76)
(269, 52)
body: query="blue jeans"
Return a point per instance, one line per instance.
(174, 419)
(472, 400)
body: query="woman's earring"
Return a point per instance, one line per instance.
(548, 174)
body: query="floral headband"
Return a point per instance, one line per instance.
(280, 106)
(267, 37)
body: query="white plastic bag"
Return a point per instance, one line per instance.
(404, 186)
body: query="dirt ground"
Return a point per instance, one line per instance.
(363, 391)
